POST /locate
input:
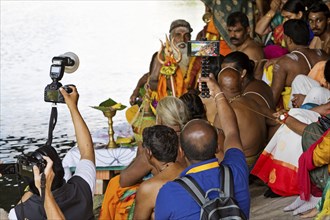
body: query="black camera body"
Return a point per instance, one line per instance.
(52, 93)
(67, 63)
(204, 49)
(24, 165)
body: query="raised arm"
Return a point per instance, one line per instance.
(155, 66)
(263, 25)
(226, 114)
(84, 139)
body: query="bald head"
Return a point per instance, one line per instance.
(229, 80)
(198, 140)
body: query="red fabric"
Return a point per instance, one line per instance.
(281, 178)
(305, 165)
(278, 34)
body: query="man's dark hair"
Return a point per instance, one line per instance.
(238, 17)
(195, 105)
(199, 148)
(308, 3)
(57, 168)
(319, 7)
(327, 71)
(162, 141)
(297, 30)
(241, 61)
(180, 23)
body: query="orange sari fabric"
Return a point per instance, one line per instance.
(177, 80)
(118, 202)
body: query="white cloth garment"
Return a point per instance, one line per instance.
(311, 88)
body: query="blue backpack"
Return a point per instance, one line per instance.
(222, 207)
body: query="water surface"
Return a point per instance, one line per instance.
(114, 41)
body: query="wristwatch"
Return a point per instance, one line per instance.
(283, 117)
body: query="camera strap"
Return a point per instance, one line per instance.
(42, 187)
(52, 123)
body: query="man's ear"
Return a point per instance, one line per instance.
(180, 152)
(288, 40)
(148, 153)
(243, 74)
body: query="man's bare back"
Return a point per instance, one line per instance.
(260, 92)
(148, 190)
(252, 126)
(293, 64)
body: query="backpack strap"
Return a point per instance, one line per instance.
(227, 180)
(191, 185)
(193, 188)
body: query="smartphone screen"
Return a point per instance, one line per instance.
(203, 48)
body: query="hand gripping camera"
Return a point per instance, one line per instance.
(25, 163)
(68, 63)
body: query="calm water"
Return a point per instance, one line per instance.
(114, 41)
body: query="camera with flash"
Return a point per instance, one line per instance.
(67, 63)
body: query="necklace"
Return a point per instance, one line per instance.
(235, 97)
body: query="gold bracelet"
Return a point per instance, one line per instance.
(220, 98)
(268, 15)
(216, 95)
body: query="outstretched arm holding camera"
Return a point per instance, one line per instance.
(50, 205)
(86, 167)
(84, 139)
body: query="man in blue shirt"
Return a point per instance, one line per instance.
(198, 140)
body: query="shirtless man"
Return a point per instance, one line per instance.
(160, 145)
(258, 90)
(252, 126)
(319, 18)
(300, 60)
(239, 33)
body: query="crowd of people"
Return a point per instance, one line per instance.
(267, 118)
(274, 73)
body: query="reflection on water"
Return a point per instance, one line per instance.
(114, 41)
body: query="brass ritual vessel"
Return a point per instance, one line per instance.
(109, 109)
(110, 114)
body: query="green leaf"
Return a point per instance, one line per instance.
(108, 103)
(105, 105)
(102, 108)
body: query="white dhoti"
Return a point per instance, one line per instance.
(311, 88)
(278, 164)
